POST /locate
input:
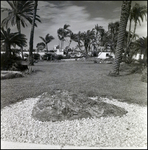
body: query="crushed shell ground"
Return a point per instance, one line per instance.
(130, 130)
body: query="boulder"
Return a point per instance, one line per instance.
(10, 74)
(64, 105)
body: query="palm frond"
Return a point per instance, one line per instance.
(42, 39)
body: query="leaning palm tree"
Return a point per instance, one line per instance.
(125, 10)
(19, 14)
(62, 34)
(31, 62)
(48, 38)
(9, 39)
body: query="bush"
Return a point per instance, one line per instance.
(48, 57)
(59, 57)
(5, 62)
(36, 56)
(94, 54)
(12, 63)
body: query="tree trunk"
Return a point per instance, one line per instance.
(19, 30)
(128, 39)
(32, 35)
(47, 48)
(8, 52)
(121, 35)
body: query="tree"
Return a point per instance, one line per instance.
(40, 46)
(31, 62)
(62, 33)
(140, 46)
(48, 38)
(86, 38)
(73, 37)
(20, 13)
(11, 39)
(100, 35)
(111, 37)
(125, 10)
(137, 14)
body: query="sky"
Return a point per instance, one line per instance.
(80, 15)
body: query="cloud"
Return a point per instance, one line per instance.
(118, 9)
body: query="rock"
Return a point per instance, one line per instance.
(10, 74)
(64, 105)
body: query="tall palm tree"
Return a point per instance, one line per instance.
(137, 14)
(48, 38)
(62, 34)
(31, 62)
(9, 39)
(19, 14)
(125, 10)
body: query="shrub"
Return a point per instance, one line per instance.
(36, 56)
(59, 57)
(5, 62)
(94, 54)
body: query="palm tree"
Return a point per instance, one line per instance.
(9, 39)
(31, 62)
(62, 34)
(110, 37)
(126, 5)
(48, 38)
(140, 46)
(78, 39)
(87, 38)
(20, 13)
(137, 14)
(73, 37)
(40, 46)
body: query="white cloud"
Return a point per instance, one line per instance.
(118, 9)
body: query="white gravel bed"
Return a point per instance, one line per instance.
(130, 130)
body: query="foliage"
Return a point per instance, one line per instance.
(48, 38)
(7, 63)
(59, 57)
(20, 12)
(63, 33)
(36, 56)
(40, 46)
(13, 38)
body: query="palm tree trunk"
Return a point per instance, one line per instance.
(47, 48)
(32, 35)
(134, 30)
(8, 52)
(128, 39)
(19, 30)
(120, 41)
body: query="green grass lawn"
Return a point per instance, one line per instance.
(78, 77)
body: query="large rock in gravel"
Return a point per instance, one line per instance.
(64, 105)
(10, 74)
